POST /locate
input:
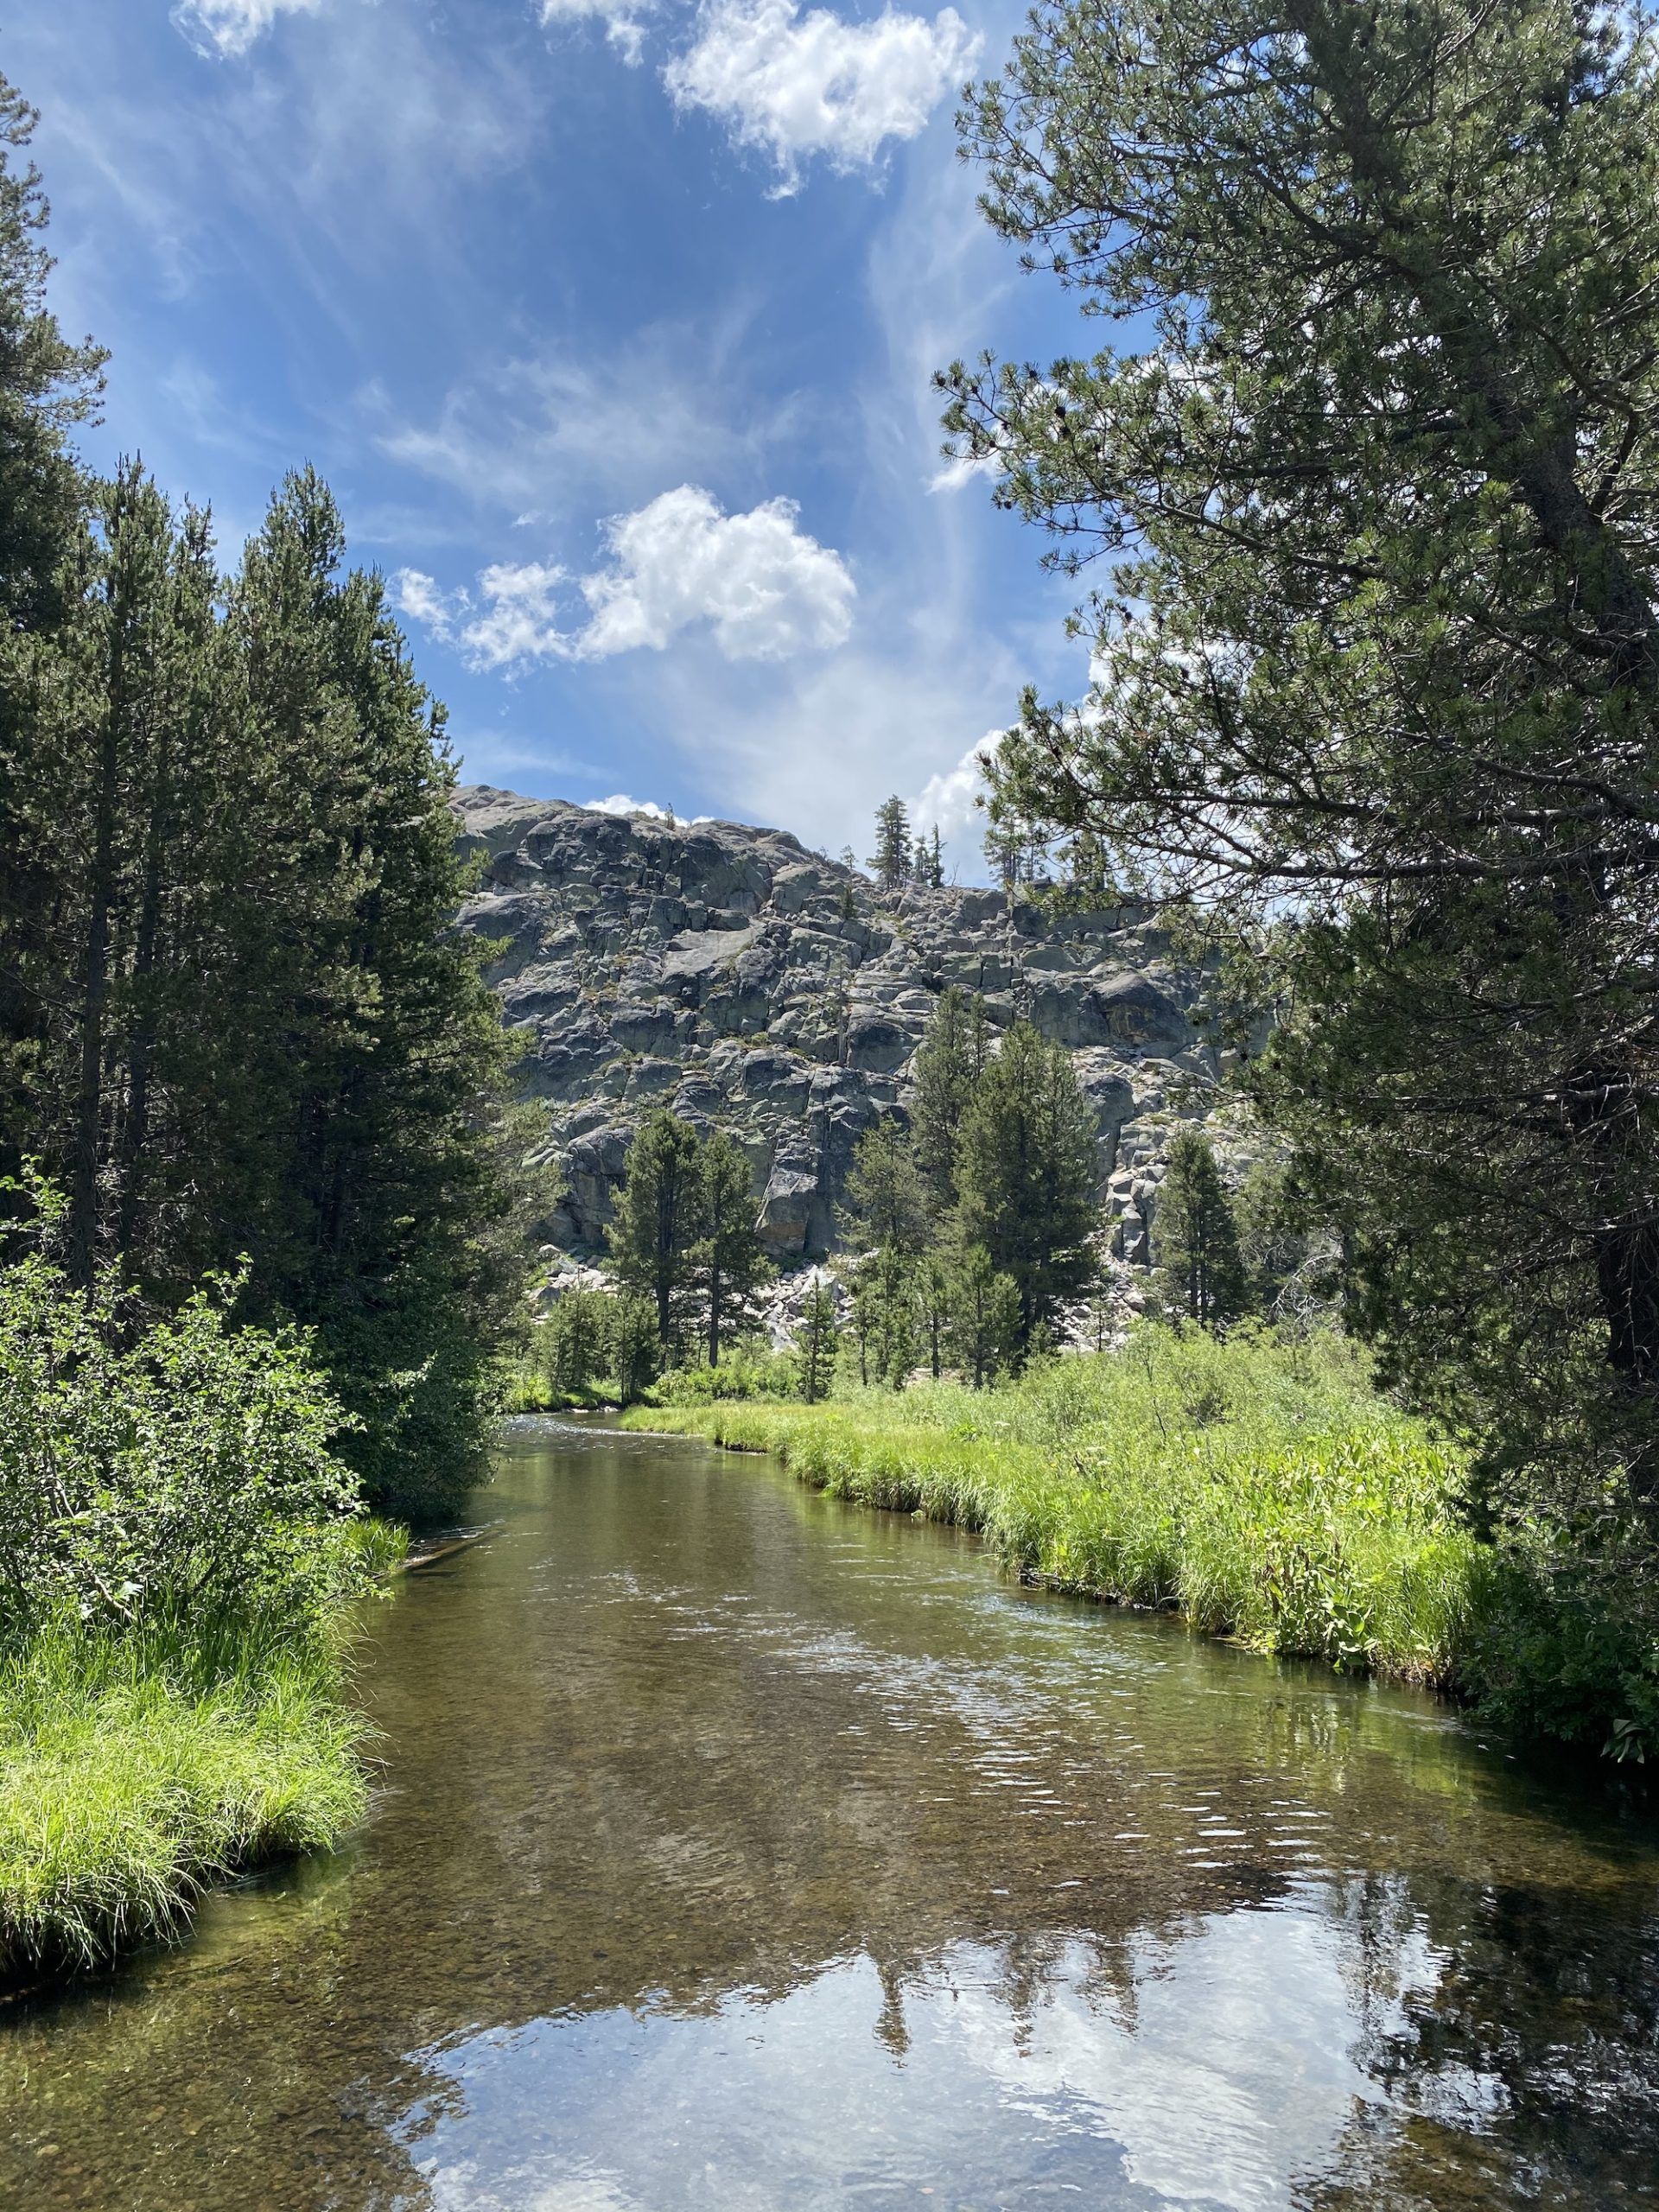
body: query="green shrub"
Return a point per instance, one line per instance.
(179, 1471)
(750, 1369)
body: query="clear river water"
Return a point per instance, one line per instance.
(739, 1850)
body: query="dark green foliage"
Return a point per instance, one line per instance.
(573, 1342)
(633, 1346)
(173, 1474)
(251, 1029)
(949, 1063)
(930, 1302)
(1195, 1237)
(886, 1207)
(890, 863)
(46, 386)
(685, 1235)
(883, 1316)
(985, 1318)
(729, 1260)
(658, 1218)
(1378, 662)
(1026, 1175)
(815, 1341)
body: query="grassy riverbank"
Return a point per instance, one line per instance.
(180, 1548)
(1264, 1491)
(132, 1775)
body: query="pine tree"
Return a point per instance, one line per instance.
(46, 386)
(816, 1340)
(633, 1345)
(884, 1316)
(1195, 1237)
(949, 1063)
(1385, 664)
(729, 1260)
(575, 1340)
(886, 1206)
(1026, 1172)
(890, 862)
(985, 1325)
(658, 1217)
(931, 1295)
(927, 861)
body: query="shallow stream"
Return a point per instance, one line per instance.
(739, 1850)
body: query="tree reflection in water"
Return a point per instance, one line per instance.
(736, 1847)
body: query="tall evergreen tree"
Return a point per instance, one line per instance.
(1379, 662)
(986, 1322)
(887, 1206)
(815, 1343)
(658, 1217)
(729, 1260)
(949, 1063)
(1026, 1173)
(1195, 1237)
(890, 862)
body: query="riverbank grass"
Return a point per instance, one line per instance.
(131, 1777)
(1265, 1490)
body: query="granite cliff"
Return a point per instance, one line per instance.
(750, 982)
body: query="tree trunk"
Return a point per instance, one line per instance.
(89, 1095)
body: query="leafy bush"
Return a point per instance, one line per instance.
(177, 1470)
(750, 1369)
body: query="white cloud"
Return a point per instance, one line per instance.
(622, 25)
(231, 26)
(619, 802)
(793, 86)
(765, 588)
(521, 620)
(555, 430)
(419, 596)
(948, 802)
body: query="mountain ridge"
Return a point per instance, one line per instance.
(754, 984)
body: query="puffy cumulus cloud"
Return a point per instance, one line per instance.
(765, 588)
(622, 25)
(231, 26)
(949, 802)
(619, 802)
(794, 85)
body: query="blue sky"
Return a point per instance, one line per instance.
(611, 326)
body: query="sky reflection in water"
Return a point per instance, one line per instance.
(738, 1849)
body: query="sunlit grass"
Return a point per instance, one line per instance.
(1264, 1491)
(133, 1771)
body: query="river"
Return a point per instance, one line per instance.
(738, 1850)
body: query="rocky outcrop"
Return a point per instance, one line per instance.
(752, 984)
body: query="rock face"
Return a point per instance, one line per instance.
(753, 985)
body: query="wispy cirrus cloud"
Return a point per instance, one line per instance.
(230, 27)
(763, 588)
(794, 85)
(622, 19)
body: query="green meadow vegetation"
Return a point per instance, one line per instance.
(179, 1541)
(1260, 1486)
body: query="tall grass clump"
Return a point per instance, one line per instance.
(1263, 1488)
(177, 1543)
